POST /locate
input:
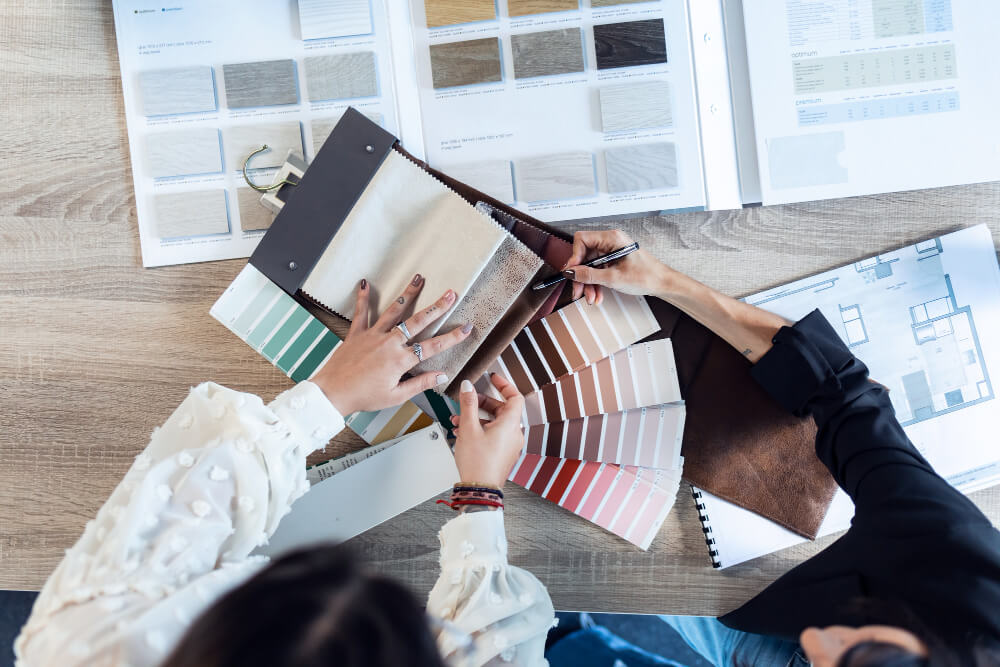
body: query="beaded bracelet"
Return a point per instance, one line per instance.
(478, 486)
(474, 495)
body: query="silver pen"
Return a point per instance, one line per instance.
(597, 261)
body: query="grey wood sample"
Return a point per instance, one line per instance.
(334, 18)
(465, 63)
(548, 52)
(199, 213)
(253, 215)
(322, 127)
(644, 167)
(260, 84)
(177, 90)
(183, 152)
(243, 140)
(492, 177)
(557, 176)
(341, 76)
(630, 43)
(636, 106)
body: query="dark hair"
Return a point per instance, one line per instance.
(309, 608)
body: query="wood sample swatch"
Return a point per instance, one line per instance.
(612, 3)
(253, 215)
(525, 7)
(556, 176)
(636, 106)
(490, 176)
(322, 127)
(260, 84)
(465, 63)
(549, 52)
(630, 43)
(452, 12)
(341, 76)
(179, 90)
(180, 214)
(334, 18)
(280, 138)
(645, 167)
(183, 152)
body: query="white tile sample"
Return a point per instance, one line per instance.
(557, 176)
(260, 84)
(183, 152)
(199, 213)
(177, 90)
(334, 18)
(491, 176)
(643, 167)
(322, 127)
(280, 138)
(341, 76)
(253, 215)
(635, 106)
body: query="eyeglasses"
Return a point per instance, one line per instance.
(456, 644)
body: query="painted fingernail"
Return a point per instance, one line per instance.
(442, 379)
(467, 387)
(449, 296)
(569, 274)
(364, 283)
(416, 280)
(467, 328)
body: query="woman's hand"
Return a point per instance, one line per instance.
(487, 451)
(364, 372)
(639, 273)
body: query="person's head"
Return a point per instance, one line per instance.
(311, 607)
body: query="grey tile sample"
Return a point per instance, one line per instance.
(253, 215)
(178, 90)
(183, 152)
(630, 43)
(636, 106)
(334, 18)
(557, 176)
(260, 84)
(465, 63)
(644, 167)
(491, 177)
(549, 52)
(322, 127)
(200, 213)
(341, 76)
(243, 140)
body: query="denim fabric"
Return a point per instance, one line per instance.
(725, 647)
(595, 646)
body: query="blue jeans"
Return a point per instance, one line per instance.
(725, 647)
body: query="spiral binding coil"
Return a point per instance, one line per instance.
(706, 528)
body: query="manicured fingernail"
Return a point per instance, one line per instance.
(467, 387)
(416, 280)
(467, 328)
(569, 274)
(442, 379)
(364, 283)
(449, 296)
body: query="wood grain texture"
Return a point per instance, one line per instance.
(548, 52)
(557, 176)
(490, 176)
(453, 12)
(465, 63)
(80, 399)
(322, 127)
(183, 152)
(242, 140)
(643, 167)
(260, 84)
(334, 18)
(630, 43)
(612, 3)
(636, 106)
(525, 7)
(341, 76)
(198, 213)
(253, 216)
(177, 90)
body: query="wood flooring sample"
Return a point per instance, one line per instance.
(261, 84)
(341, 76)
(465, 63)
(636, 106)
(549, 52)
(452, 12)
(645, 167)
(183, 152)
(490, 176)
(245, 139)
(199, 213)
(612, 3)
(179, 90)
(253, 215)
(557, 176)
(334, 18)
(322, 127)
(525, 7)
(630, 43)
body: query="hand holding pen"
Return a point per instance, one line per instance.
(635, 271)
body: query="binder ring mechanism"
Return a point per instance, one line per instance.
(261, 188)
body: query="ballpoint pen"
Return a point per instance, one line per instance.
(597, 261)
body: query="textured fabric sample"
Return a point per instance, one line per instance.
(526, 7)
(334, 18)
(636, 106)
(549, 52)
(260, 84)
(645, 167)
(630, 43)
(465, 63)
(253, 216)
(322, 127)
(452, 12)
(490, 176)
(200, 213)
(183, 152)
(341, 76)
(557, 176)
(245, 139)
(179, 90)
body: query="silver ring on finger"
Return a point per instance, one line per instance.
(406, 332)
(419, 351)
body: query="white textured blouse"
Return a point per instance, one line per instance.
(210, 487)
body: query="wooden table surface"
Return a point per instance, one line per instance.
(95, 350)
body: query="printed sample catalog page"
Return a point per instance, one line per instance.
(854, 97)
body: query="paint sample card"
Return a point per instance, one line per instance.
(466, 63)
(641, 375)
(643, 167)
(492, 177)
(280, 138)
(635, 106)
(547, 53)
(319, 19)
(451, 12)
(198, 213)
(177, 91)
(184, 152)
(559, 176)
(630, 43)
(526, 7)
(322, 127)
(260, 84)
(253, 215)
(342, 76)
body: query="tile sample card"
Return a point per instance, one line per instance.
(547, 52)
(260, 84)
(525, 7)
(184, 152)
(253, 215)
(466, 63)
(630, 43)
(177, 91)
(319, 19)
(341, 76)
(562, 176)
(450, 12)
(635, 106)
(280, 138)
(492, 177)
(182, 214)
(644, 167)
